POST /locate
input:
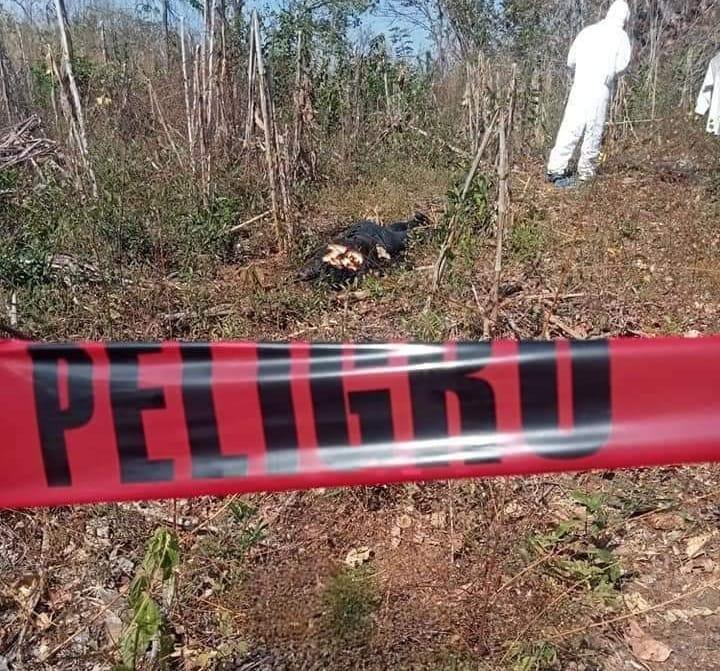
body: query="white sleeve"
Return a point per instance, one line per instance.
(705, 97)
(624, 54)
(572, 54)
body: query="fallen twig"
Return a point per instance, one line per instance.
(216, 514)
(631, 122)
(252, 220)
(550, 294)
(621, 618)
(571, 588)
(18, 144)
(565, 328)
(452, 147)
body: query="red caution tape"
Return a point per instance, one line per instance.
(95, 422)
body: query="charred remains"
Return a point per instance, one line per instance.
(361, 248)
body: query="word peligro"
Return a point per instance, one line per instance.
(111, 422)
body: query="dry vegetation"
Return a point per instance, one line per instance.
(127, 228)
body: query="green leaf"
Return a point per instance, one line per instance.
(252, 535)
(139, 586)
(242, 511)
(143, 628)
(161, 557)
(162, 554)
(593, 502)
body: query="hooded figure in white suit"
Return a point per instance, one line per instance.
(599, 54)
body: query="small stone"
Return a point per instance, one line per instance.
(358, 556)
(125, 565)
(113, 626)
(81, 639)
(404, 521)
(665, 521)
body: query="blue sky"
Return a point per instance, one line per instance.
(381, 24)
(373, 23)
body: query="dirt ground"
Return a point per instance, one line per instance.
(609, 571)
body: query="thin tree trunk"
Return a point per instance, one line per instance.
(222, 130)
(270, 147)
(186, 88)
(201, 125)
(251, 72)
(210, 81)
(358, 100)
(66, 107)
(4, 88)
(503, 210)
(283, 163)
(51, 68)
(203, 45)
(297, 98)
(534, 104)
(25, 64)
(166, 30)
(510, 107)
(154, 104)
(78, 117)
(197, 87)
(103, 43)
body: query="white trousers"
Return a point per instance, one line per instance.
(585, 114)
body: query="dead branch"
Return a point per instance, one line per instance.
(154, 104)
(452, 227)
(276, 179)
(445, 143)
(21, 144)
(186, 90)
(67, 82)
(566, 328)
(503, 213)
(252, 220)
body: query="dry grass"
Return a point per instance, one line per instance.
(520, 574)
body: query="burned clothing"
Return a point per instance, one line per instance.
(362, 247)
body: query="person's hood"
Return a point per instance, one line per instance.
(619, 13)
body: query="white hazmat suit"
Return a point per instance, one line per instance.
(709, 98)
(599, 54)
